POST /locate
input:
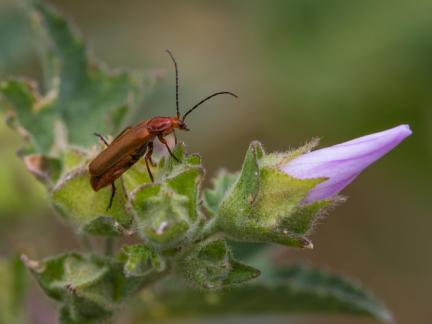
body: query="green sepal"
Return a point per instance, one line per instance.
(141, 260)
(210, 265)
(167, 213)
(305, 216)
(81, 206)
(222, 183)
(266, 205)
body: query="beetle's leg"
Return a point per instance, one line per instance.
(175, 138)
(164, 142)
(113, 192)
(148, 158)
(150, 153)
(148, 169)
(101, 138)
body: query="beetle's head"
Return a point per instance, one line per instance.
(180, 124)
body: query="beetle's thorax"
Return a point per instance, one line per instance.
(163, 125)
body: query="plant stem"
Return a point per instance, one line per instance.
(86, 244)
(152, 278)
(109, 246)
(209, 229)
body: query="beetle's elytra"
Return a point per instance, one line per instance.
(135, 142)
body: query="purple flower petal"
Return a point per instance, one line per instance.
(342, 163)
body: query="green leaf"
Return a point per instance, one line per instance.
(89, 97)
(136, 176)
(89, 288)
(82, 285)
(28, 106)
(45, 169)
(210, 265)
(105, 226)
(85, 209)
(73, 158)
(297, 290)
(222, 183)
(12, 293)
(248, 250)
(265, 204)
(80, 94)
(15, 38)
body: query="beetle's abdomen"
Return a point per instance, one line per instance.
(114, 172)
(122, 147)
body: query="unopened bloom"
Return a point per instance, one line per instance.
(342, 163)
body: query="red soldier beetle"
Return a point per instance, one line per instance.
(137, 141)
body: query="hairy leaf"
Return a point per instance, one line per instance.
(89, 98)
(79, 93)
(297, 290)
(75, 200)
(210, 265)
(89, 288)
(27, 106)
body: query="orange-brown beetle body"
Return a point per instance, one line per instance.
(127, 148)
(134, 142)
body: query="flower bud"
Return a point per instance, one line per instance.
(278, 197)
(342, 163)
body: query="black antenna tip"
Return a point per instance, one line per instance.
(176, 81)
(232, 94)
(207, 98)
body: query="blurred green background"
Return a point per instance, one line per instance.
(335, 69)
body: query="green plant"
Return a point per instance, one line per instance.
(181, 231)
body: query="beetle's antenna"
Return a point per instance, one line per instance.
(205, 99)
(177, 85)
